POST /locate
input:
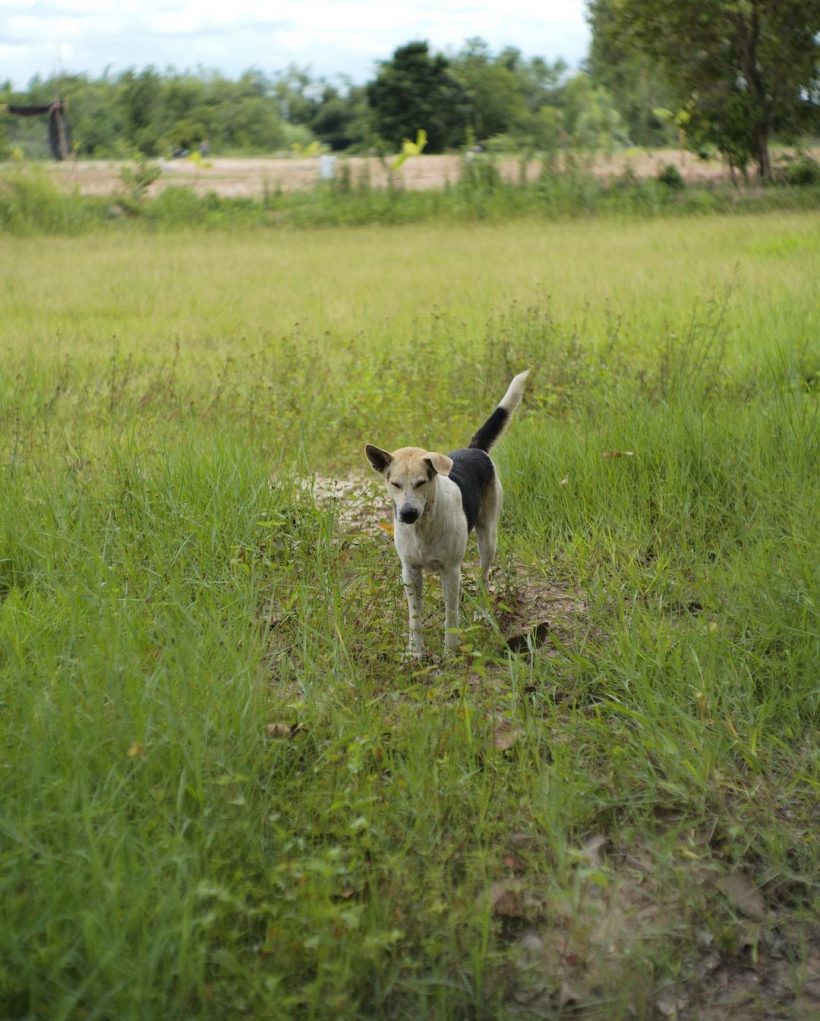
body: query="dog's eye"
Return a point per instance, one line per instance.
(419, 483)
(395, 485)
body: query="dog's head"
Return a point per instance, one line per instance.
(410, 474)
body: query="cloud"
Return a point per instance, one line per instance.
(329, 36)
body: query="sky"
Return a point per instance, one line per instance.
(328, 37)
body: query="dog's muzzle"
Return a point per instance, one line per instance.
(409, 515)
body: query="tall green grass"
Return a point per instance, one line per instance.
(31, 205)
(545, 835)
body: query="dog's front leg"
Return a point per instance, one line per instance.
(451, 583)
(411, 576)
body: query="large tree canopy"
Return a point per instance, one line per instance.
(636, 84)
(740, 70)
(508, 94)
(413, 90)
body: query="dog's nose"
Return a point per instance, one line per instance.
(408, 515)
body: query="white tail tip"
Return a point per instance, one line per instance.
(515, 391)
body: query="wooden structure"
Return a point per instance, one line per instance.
(59, 133)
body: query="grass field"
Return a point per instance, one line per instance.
(225, 794)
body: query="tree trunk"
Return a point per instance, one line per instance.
(759, 93)
(764, 163)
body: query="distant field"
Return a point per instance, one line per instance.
(235, 195)
(224, 793)
(253, 177)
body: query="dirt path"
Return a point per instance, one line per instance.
(255, 177)
(531, 612)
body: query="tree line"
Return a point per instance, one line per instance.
(720, 75)
(474, 97)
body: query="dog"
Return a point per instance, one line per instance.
(438, 499)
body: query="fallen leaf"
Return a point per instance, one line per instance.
(531, 942)
(670, 1005)
(386, 526)
(513, 862)
(505, 737)
(749, 935)
(811, 986)
(506, 900)
(137, 750)
(530, 639)
(702, 704)
(640, 862)
(591, 849)
(279, 730)
(743, 895)
(568, 994)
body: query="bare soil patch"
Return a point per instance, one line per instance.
(260, 176)
(529, 611)
(566, 954)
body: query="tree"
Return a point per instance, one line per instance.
(141, 107)
(493, 90)
(96, 120)
(250, 120)
(296, 94)
(634, 81)
(511, 100)
(342, 117)
(413, 90)
(591, 119)
(741, 69)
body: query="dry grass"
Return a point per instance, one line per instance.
(262, 175)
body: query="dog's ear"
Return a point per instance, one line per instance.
(379, 459)
(439, 463)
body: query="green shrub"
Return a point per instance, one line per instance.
(479, 172)
(31, 204)
(671, 177)
(139, 177)
(800, 170)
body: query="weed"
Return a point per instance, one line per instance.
(224, 792)
(800, 170)
(671, 177)
(31, 204)
(138, 178)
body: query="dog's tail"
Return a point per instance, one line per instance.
(497, 422)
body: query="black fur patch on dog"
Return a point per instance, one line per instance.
(472, 472)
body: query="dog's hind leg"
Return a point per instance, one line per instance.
(487, 543)
(486, 529)
(451, 584)
(412, 579)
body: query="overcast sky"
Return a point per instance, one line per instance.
(330, 37)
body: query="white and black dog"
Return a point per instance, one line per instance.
(438, 499)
